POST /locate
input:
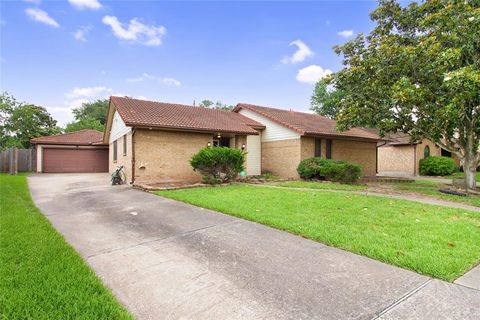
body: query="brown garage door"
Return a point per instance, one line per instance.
(75, 160)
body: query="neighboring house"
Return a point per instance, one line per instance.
(155, 141)
(291, 136)
(400, 156)
(80, 151)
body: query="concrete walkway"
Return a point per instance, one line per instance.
(168, 260)
(415, 198)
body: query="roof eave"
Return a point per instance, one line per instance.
(342, 137)
(176, 128)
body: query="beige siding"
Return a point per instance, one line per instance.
(254, 156)
(124, 160)
(273, 131)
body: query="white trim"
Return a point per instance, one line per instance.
(273, 131)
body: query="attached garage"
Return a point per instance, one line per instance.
(75, 152)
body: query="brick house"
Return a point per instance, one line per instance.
(400, 156)
(154, 141)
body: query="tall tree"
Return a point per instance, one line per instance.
(325, 102)
(21, 122)
(88, 123)
(417, 71)
(92, 110)
(206, 103)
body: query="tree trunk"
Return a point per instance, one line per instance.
(470, 169)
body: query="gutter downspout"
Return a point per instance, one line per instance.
(133, 156)
(376, 158)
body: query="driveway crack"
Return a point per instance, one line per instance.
(403, 298)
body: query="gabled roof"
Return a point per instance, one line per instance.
(84, 137)
(151, 114)
(307, 124)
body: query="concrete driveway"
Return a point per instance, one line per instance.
(168, 260)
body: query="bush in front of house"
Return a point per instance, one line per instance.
(327, 169)
(218, 164)
(437, 166)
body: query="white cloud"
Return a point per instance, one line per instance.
(41, 16)
(145, 76)
(302, 53)
(346, 33)
(103, 73)
(171, 82)
(88, 92)
(312, 73)
(81, 32)
(86, 4)
(136, 31)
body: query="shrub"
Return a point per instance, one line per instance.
(218, 164)
(326, 169)
(437, 166)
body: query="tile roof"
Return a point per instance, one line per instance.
(177, 116)
(82, 137)
(307, 124)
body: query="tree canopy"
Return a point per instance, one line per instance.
(215, 105)
(90, 115)
(418, 71)
(325, 102)
(20, 122)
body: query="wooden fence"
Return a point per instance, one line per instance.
(15, 160)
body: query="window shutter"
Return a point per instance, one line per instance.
(318, 147)
(329, 149)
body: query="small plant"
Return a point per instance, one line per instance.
(437, 166)
(218, 164)
(269, 175)
(327, 169)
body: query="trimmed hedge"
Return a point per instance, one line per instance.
(437, 166)
(218, 164)
(327, 169)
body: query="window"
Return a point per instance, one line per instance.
(115, 150)
(426, 152)
(124, 144)
(318, 147)
(328, 153)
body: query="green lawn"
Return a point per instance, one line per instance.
(41, 276)
(432, 240)
(318, 185)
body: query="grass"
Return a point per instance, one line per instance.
(420, 187)
(41, 276)
(318, 185)
(432, 240)
(430, 188)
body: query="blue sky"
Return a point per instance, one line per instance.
(59, 53)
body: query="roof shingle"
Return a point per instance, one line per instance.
(144, 113)
(306, 123)
(82, 137)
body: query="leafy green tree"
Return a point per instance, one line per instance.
(206, 103)
(21, 122)
(92, 110)
(418, 71)
(325, 102)
(88, 123)
(215, 105)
